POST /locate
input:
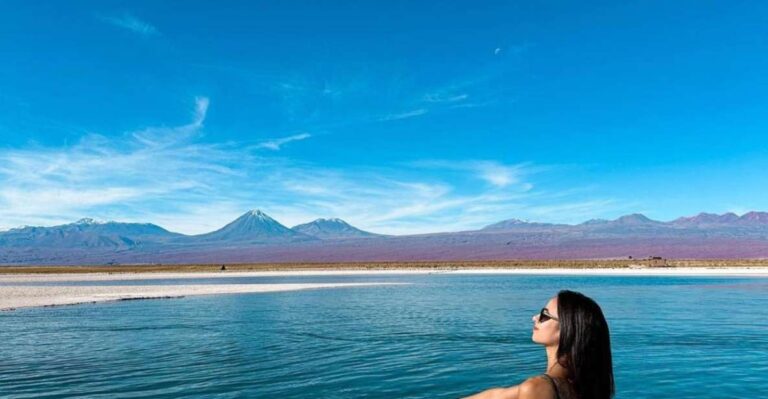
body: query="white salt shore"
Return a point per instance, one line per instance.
(30, 295)
(745, 271)
(21, 296)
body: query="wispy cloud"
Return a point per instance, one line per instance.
(131, 23)
(156, 137)
(494, 173)
(110, 176)
(497, 174)
(276, 144)
(172, 177)
(404, 115)
(333, 97)
(444, 97)
(201, 110)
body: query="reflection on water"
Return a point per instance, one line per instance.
(442, 337)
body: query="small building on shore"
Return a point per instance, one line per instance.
(651, 261)
(656, 261)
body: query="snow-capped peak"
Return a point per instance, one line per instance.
(257, 213)
(88, 221)
(330, 220)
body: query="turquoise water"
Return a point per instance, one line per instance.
(443, 336)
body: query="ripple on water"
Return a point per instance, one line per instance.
(443, 336)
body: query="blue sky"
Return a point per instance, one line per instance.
(397, 116)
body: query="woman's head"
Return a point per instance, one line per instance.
(576, 326)
(546, 326)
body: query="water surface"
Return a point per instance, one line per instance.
(443, 336)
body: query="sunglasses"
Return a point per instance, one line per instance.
(544, 316)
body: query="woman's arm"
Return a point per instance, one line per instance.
(497, 393)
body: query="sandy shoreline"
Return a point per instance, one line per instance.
(676, 271)
(15, 297)
(31, 295)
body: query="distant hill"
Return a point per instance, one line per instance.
(634, 219)
(256, 237)
(253, 225)
(331, 229)
(86, 233)
(706, 219)
(514, 224)
(754, 218)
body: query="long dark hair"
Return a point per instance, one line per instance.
(585, 345)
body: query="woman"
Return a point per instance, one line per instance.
(574, 333)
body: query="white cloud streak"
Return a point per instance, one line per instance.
(445, 98)
(494, 173)
(276, 144)
(170, 176)
(133, 24)
(498, 175)
(201, 110)
(404, 115)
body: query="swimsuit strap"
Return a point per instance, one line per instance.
(554, 385)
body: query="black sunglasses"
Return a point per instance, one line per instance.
(544, 316)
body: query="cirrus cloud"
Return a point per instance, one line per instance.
(172, 177)
(133, 24)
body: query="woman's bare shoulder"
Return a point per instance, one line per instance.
(536, 388)
(533, 388)
(497, 393)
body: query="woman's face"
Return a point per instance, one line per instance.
(547, 333)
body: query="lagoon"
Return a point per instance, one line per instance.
(439, 336)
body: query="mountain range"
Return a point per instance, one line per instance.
(256, 237)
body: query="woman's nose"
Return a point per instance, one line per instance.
(533, 318)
